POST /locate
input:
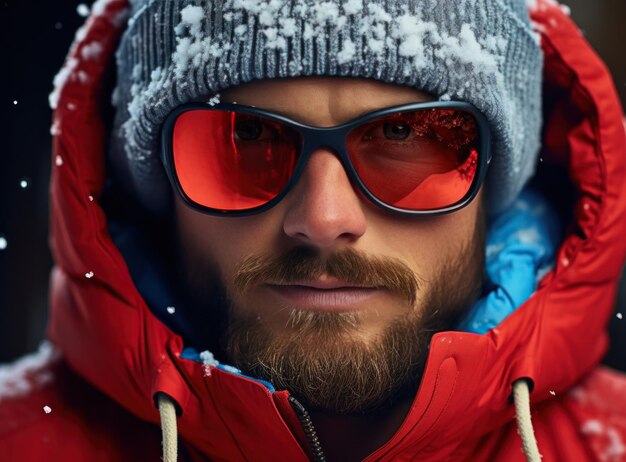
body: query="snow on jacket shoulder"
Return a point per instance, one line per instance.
(117, 356)
(47, 412)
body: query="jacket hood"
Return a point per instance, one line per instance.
(109, 336)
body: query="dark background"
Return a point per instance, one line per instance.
(34, 38)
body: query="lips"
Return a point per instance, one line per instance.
(328, 283)
(324, 294)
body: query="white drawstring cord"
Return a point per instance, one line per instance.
(521, 398)
(167, 410)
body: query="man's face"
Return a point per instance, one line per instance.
(326, 294)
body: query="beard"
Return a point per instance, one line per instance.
(325, 367)
(319, 356)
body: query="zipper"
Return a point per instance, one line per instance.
(309, 430)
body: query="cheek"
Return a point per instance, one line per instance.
(222, 241)
(426, 243)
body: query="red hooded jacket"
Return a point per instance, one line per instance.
(112, 355)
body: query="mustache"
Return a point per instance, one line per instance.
(349, 265)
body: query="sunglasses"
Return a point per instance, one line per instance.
(415, 159)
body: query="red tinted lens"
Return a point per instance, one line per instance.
(232, 161)
(418, 160)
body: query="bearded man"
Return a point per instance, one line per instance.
(334, 231)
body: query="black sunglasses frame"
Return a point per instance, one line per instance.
(334, 139)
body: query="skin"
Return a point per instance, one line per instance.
(324, 211)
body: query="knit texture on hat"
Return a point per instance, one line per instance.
(480, 51)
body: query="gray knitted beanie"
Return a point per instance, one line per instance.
(480, 51)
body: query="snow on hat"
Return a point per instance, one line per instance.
(480, 51)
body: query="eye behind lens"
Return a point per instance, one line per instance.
(248, 129)
(396, 131)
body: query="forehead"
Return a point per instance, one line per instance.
(322, 101)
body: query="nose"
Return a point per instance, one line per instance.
(323, 208)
